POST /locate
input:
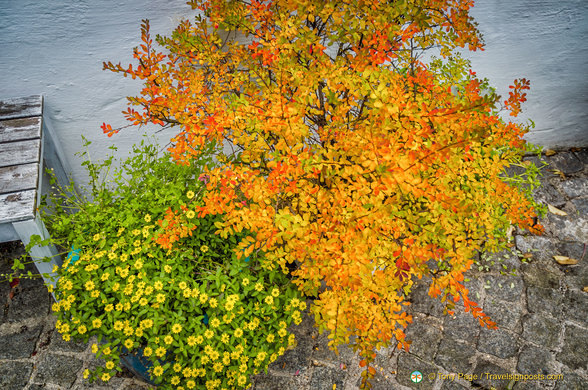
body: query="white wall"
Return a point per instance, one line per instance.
(56, 48)
(545, 41)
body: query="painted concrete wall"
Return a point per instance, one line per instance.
(56, 48)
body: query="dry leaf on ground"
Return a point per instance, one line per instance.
(555, 210)
(564, 260)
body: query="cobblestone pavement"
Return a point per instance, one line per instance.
(541, 309)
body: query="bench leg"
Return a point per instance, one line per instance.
(26, 229)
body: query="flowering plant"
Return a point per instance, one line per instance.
(204, 317)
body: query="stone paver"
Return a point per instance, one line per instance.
(539, 306)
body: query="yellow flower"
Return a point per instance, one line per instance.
(187, 372)
(118, 325)
(282, 332)
(190, 384)
(199, 339)
(82, 329)
(119, 306)
(105, 276)
(65, 337)
(258, 286)
(302, 305)
(213, 302)
(146, 324)
(175, 380)
(89, 285)
(191, 341)
(190, 214)
(203, 298)
(143, 301)
(176, 328)
(111, 256)
(97, 323)
(105, 377)
(94, 348)
(124, 257)
(109, 365)
(160, 298)
(168, 339)
(182, 285)
(214, 322)
(190, 194)
(242, 380)
(136, 232)
(158, 285)
(95, 294)
(229, 305)
(109, 307)
(86, 373)
(106, 351)
(238, 332)
(269, 300)
(208, 333)
(129, 343)
(167, 268)
(275, 292)
(147, 351)
(157, 370)
(147, 218)
(204, 248)
(270, 337)
(139, 332)
(245, 282)
(96, 236)
(225, 338)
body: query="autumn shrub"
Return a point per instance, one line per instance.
(345, 153)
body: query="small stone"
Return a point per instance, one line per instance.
(570, 381)
(544, 300)
(541, 330)
(539, 246)
(425, 338)
(421, 301)
(462, 326)
(326, 377)
(581, 206)
(58, 344)
(454, 355)
(566, 162)
(533, 360)
(502, 313)
(573, 352)
(19, 345)
(488, 375)
(577, 306)
(29, 303)
(58, 370)
(575, 187)
(504, 287)
(498, 343)
(567, 228)
(407, 364)
(15, 375)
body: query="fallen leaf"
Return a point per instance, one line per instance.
(585, 289)
(559, 173)
(555, 210)
(528, 255)
(297, 373)
(15, 282)
(550, 152)
(564, 260)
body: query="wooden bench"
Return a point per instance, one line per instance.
(27, 146)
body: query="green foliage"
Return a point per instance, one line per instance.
(201, 316)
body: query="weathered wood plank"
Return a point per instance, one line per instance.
(17, 206)
(18, 178)
(24, 152)
(22, 107)
(20, 129)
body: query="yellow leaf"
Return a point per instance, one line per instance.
(555, 210)
(564, 260)
(585, 289)
(550, 152)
